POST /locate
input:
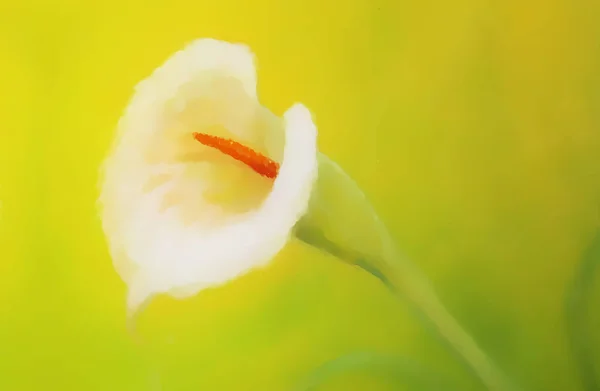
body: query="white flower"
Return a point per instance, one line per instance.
(180, 216)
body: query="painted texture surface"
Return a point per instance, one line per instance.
(474, 128)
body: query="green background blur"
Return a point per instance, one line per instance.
(473, 126)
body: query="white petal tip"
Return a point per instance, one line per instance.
(297, 112)
(139, 295)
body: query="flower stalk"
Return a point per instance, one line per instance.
(341, 222)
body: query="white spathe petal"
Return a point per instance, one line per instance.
(179, 216)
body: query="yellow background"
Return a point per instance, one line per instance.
(473, 126)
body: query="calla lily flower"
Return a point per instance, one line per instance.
(203, 183)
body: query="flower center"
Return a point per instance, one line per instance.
(260, 163)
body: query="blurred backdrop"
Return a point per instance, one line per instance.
(473, 126)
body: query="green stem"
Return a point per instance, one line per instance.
(416, 288)
(408, 282)
(576, 315)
